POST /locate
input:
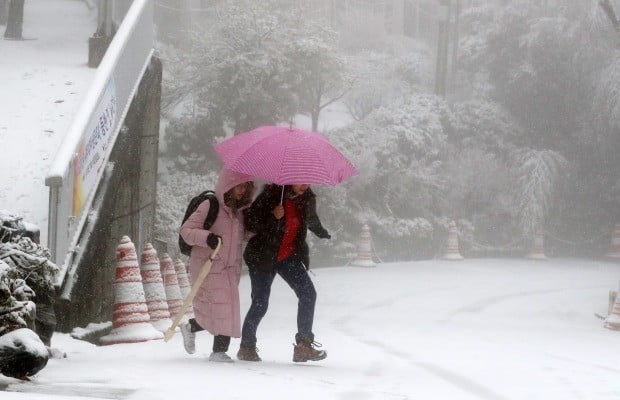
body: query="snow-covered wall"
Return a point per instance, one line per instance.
(78, 167)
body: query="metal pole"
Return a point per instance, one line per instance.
(101, 15)
(108, 17)
(52, 224)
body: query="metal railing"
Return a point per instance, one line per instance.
(80, 162)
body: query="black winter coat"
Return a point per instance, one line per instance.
(262, 249)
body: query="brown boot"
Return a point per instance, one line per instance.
(305, 351)
(248, 354)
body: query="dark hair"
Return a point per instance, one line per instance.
(234, 204)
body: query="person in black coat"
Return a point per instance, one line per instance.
(280, 218)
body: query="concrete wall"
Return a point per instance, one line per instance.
(126, 206)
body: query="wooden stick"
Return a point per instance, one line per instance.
(190, 296)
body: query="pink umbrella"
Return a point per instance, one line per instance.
(285, 156)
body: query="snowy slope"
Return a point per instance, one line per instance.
(477, 329)
(43, 81)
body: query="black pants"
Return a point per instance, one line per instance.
(295, 275)
(220, 342)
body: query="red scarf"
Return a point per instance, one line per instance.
(291, 228)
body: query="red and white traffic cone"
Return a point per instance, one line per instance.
(171, 285)
(130, 319)
(614, 251)
(452, 252)
(364, 249)
(538, 250)
(179, 267)
(154, 291)
(613, 319)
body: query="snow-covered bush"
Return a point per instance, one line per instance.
(398, 150)
(28, 274)
(16, 308)
(22, 353)
(31, 262)
(480, 188)
(484, 125)
(174, 192)
(189, 143)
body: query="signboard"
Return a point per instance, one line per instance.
(93, 147)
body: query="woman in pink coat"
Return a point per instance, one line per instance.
(216, 305)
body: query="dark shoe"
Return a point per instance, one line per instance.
(248, 354)
(306, 350)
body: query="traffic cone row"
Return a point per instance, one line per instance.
(364, 256)
(146, 297)
(130, 318)
(538, 249)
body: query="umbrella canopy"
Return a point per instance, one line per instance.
(285, 156)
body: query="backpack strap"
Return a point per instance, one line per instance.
(214, 208)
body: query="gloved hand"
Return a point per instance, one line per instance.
(212, 240)
(326, 235)
(278, 211)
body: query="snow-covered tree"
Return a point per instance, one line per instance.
(539, 173)
(398, 150)
(242, 66)
(539, 63)
(382, 79)
(551, 69)
(319, 69)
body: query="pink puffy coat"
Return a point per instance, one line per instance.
(216, 305)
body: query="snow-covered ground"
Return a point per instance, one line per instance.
(476, 329)
(43, 81)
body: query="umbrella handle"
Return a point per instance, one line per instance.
(282, 196)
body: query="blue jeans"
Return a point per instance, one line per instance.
(295, 275)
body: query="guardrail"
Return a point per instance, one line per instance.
(80, 162)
